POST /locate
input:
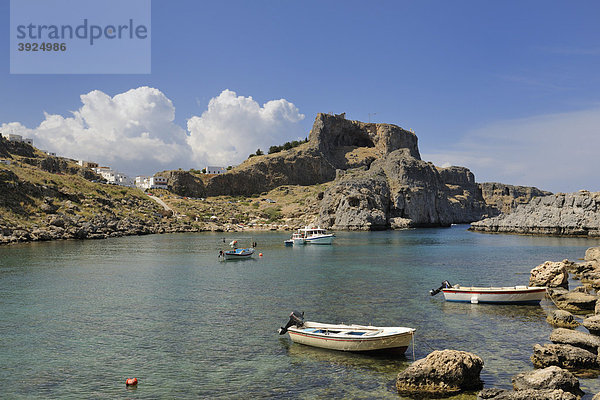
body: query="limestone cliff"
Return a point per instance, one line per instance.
(573, 214)
(506, 198)
(378, 179)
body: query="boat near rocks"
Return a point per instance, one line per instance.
(355, 338)
(491, 294)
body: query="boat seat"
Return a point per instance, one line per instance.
(373, 333)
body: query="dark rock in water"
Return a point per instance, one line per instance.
(571, 214)
(529, 394)
(592, 324)
(576, 338)
(441, 373)
(562, 319)
(550, 274)
(564, 356)
(550, 378)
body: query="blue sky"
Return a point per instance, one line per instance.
(509, 89)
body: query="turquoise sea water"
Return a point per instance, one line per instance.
(79, 317)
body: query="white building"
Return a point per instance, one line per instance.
(152, 182)
(113, 177)
(11, 137)
(87, 164)
(5, 162)
(216, 170)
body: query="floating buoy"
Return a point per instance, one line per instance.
(131, 382)
(260, 254)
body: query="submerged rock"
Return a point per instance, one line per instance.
(441, 373)
(550, 378)
(529, 394)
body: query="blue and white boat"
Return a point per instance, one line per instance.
(237, 254)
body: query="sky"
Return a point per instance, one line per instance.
(510, 90)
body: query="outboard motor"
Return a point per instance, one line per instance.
(296, 318)
(445, 285)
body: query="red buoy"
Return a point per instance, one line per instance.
(260, 254)
(131, 382)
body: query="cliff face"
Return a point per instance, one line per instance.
(379, 179)
(401, 191)
(506, 198)
(572, 214)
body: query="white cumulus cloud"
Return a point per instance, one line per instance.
(234, 126)
(556, 152)
(135, 132)
(132, 131)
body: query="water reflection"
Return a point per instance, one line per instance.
(517, 311)
(379, 362)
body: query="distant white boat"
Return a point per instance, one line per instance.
(309, 235)
(498, 295)
(347, 337)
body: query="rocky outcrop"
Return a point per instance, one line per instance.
(592, 254)
(550, 274)
(592, 324)
(505, 198)
(573, 301)
(571, 214)
(441, 373)
(401, 191)
(550, 378)
(564, 356)
(583, 340)
(562, 319)
(184, 183)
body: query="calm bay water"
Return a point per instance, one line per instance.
(79, 317)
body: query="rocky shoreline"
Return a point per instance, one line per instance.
(571, 353)
(562, 214)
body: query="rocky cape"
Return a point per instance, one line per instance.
(376, 178)
(563, 214)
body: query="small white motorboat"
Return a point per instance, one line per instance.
(309, 235)
(497, 295)
(347, 337)
(288, 242)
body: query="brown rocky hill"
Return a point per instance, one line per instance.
(378, 179)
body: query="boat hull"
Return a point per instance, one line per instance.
(512, 295)
(325, 239)
(394, 340)
(238, 255)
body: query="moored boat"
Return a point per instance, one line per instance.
(237, 254)
(491, 294)
(308, 235)
(343, 337)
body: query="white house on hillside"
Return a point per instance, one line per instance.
(113, 177)
(17, 138)
(152, 182)
(216, 170)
